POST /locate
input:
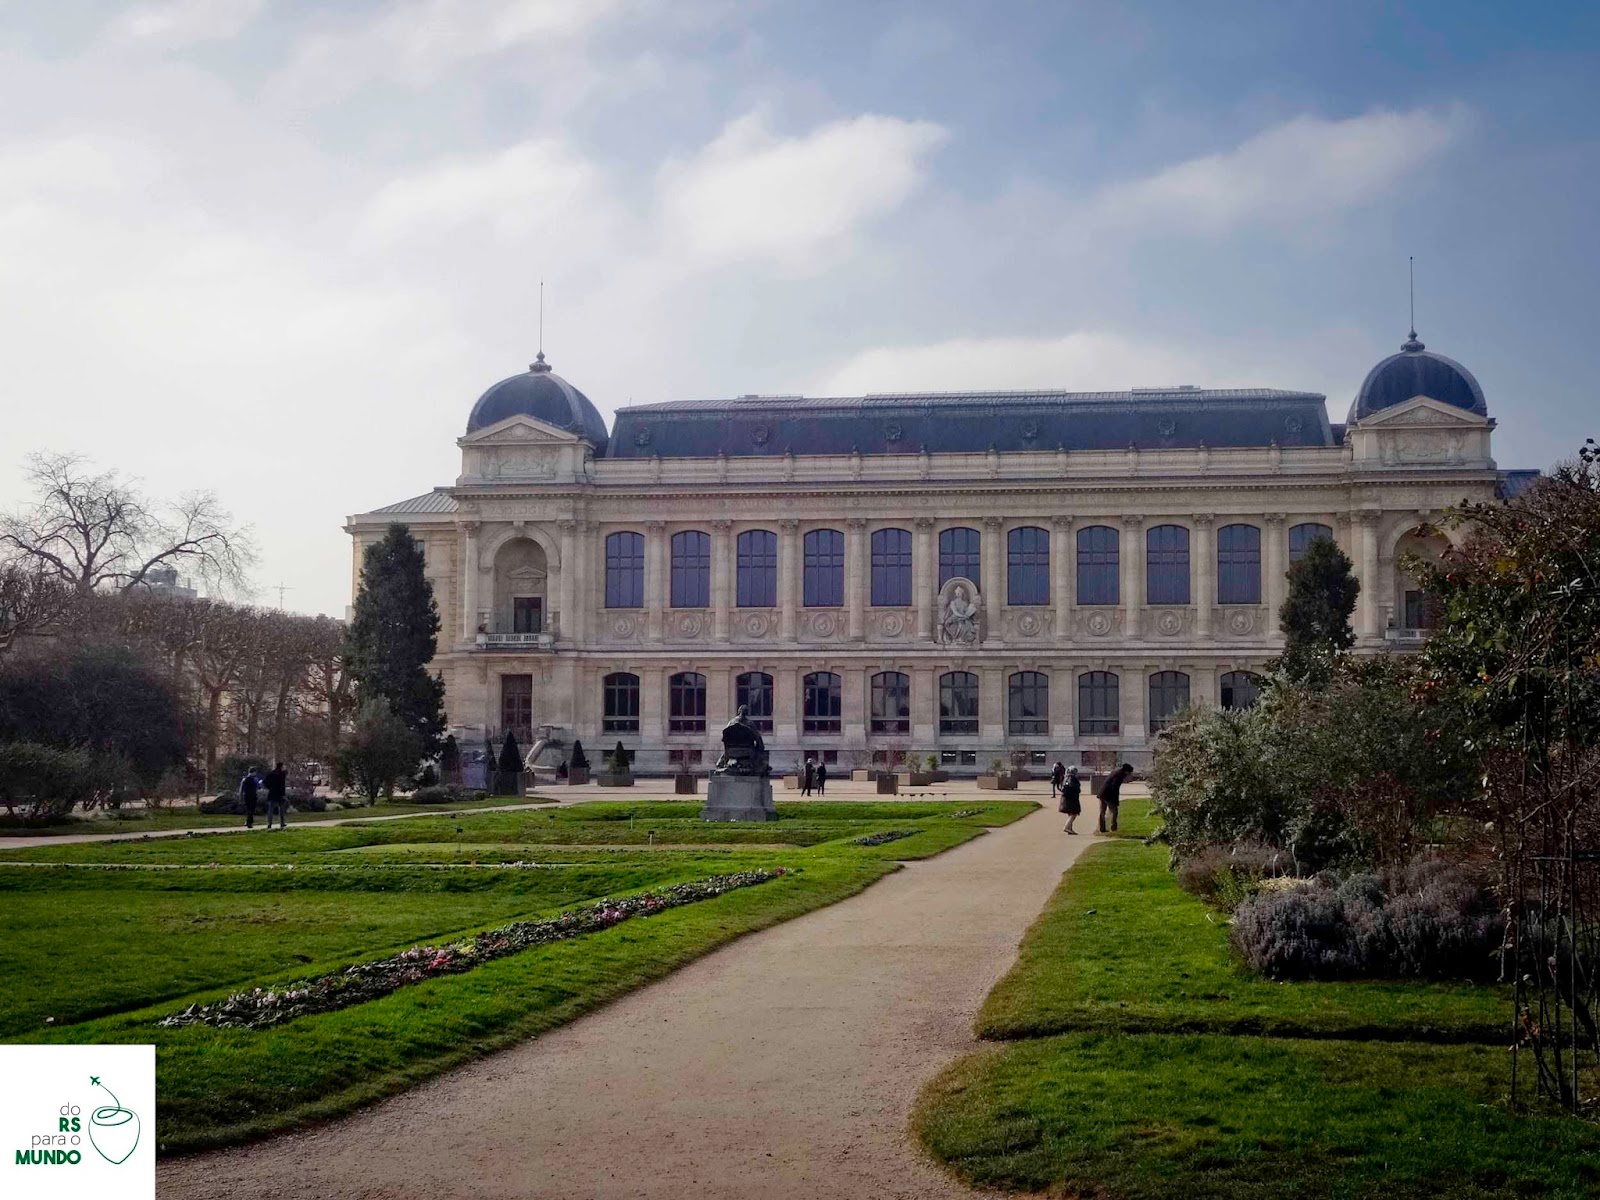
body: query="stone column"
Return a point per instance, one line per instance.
(652, 710)
(786, 707)
(1275, 562)
(1204, 548)
(469, 580)
(788, 579)
(853, 704)
(992, 712)
(924, 708)
(994, 557)
(857, 578)
(1131, 694)
(1132, 574)
(719, 706)
(721, 578)
(569, 626)
(1061, 557)
(925, 576)
(1063, 704)
(1371, 602)
(655, 579)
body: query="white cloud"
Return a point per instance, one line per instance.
(418, 42)
(175, 24)
(794, 201)
(527, 188)
(1289, 173)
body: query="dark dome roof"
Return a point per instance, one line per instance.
(1417, 371)
(542, 394)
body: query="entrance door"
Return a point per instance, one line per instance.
(516, 706)
(527, 614)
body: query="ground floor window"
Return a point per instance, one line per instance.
(620, 703)
(684, 758)
(686, 695)
(1169, 694)
(891, 702)
(516, 706)
(958, 703)
(753, 690)
(1028, 702)
(1240, 690)
(1099, 701)
(823, 703)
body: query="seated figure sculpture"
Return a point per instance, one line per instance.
(743, 751)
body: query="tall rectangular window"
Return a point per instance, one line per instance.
(1099, 560)
(686, 700)
(823, 560)
(1169, 695)
(1099, 704)
(756, 553)
(625, 570)
(753, 690)
(1238, 565)
(822, 703)
(619, 698)
(891, 567)
(1166, 553)
(1028, 565)
(891, 702)
(1028, 703)
(1301, 537)
(960, 555)
(958, 703)
(691, 569)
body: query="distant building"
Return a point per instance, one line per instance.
(164, 581)
(967, 574)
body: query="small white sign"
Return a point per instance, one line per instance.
(78, 1122)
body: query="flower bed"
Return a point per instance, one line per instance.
(878, 839)
(261, 1008)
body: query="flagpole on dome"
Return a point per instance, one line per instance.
(538, 363)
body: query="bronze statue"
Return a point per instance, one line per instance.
(743, 751)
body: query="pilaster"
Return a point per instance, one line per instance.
(1370, 605)
(1274, 561)
(469, 580)
(857, 578)
(1132, 563)
(568, 624)
(788, 579)
(655, 579)
(994, 557)
(1061, 559)
(1204, 548)
(721, 578)
(925, 575)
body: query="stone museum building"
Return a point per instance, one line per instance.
(969, 574)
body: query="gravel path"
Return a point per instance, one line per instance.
(784, 1064)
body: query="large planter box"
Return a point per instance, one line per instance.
(863, 775)
(508, 783)
(605, 780)
(888, 785)
(685, 785)
(939, 776)
(791, 783)
(917, 778)
(997, 783)
(577, 776)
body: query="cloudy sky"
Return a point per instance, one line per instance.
(277, 248)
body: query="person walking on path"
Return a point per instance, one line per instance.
(1111, 795)
(1058, 774)
(277, 796)
(822, 778)
(1071, 798)
(250, 792)
(807, 771)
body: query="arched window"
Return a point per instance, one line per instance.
(756, 552)
(1169, 694)
(1028, 703)
(1238, 565)
(958, 702)
(1301, 537)
(619, 696)
(1166, 565)
(891, 702)
(686, 698)
(1099, 560)
(1099, 704)
(960, 555)
(691, 569)
(753, 689)
(824, 568)
(823, 702)
(891, 567)
(625, 570)
(1028, 565)
(1240, 690)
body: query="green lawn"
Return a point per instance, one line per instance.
(1136, 1071)
(1172, 1117)
(1121, 947)
(107, 938)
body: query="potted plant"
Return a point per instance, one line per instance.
(619, 768)
(919, 771)
(685, 782)
(791, 781)
(578, 765)
(998, 779)
(508, 775)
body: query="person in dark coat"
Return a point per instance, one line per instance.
(822, 778)
(1057, 774)
(250, 793)
(807, 774)
(1071, 798)
(278, 796)
(1111, 795)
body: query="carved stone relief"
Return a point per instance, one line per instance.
(1099, 622)
(890, 625)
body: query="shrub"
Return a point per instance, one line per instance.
(45, 782)
(378, 751)
(427, 777)
(224, 804)
(1225, 876)
(434, 794)
(1429, 920)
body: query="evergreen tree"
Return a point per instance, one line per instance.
(394, 634)
(1315, 617)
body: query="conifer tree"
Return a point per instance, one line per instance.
(1315, 617)
(394, 634)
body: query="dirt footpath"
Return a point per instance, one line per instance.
(785, 1064)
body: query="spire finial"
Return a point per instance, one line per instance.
(538, 363)
(1411, 344)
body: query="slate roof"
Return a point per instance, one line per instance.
(436, 501)
(1417, 371)
(540, 393)
(1513, 483)
(956, 422)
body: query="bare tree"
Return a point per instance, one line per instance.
(228, 639)
(32, 601)
(98, 532)
(328, 677)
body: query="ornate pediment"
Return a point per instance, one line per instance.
(1424, 410)
(519, 430)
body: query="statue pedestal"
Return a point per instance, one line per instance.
(738, 798)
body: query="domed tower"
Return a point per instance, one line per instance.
(533, 426)
(1419, 407)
